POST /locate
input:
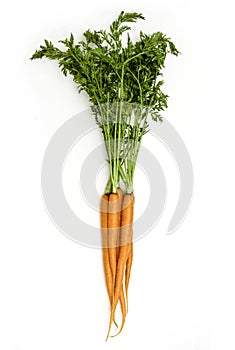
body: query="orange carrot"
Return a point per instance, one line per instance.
(124, 251)
(122, 296)
(104, 233)
(113, 235)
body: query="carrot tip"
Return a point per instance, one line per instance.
(116, 325)
(112, 336)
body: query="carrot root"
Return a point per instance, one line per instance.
(124, 253)
(104, 231)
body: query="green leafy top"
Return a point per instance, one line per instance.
(111, 71)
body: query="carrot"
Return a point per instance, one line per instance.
(104, 232)
(122, 296)
(124, 251)
(113, 235)
(114, 218)
(105, 243)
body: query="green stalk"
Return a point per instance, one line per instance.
(110, 72)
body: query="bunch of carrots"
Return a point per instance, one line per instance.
(123, 83)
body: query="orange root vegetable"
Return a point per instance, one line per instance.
(115, 208)
(124, 252)
(122, 295)
(114, 223)
(104, 232)
(113, 232)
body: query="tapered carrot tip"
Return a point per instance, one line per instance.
(107, 337)
(111, 321)
(123, 322)
(122, 325)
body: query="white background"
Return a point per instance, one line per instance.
(52, 293)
